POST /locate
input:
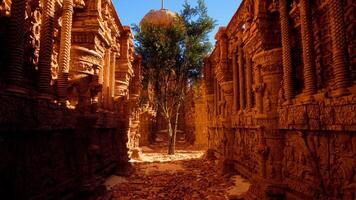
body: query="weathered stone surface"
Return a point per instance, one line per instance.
(62, 123)
(294, 140)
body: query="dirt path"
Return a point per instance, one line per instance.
(184, 176)
(192, 179)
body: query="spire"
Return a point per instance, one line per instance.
(162, 4)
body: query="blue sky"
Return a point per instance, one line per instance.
(132, 11)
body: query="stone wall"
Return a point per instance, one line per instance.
(65, 94)
(280, 98)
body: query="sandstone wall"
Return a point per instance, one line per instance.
(64, 95)
(280, 96)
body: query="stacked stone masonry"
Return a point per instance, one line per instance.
(69, 87)
(282, 111)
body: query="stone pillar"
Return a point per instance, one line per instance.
(241, 78)
(236, 81)
(224, 58)
(46, 48)
(288, 79)
(112, 79)
(223, 51)
(259, 90)
(106, 84)
(339, 47)
(16, 72)
(65, 46)
(248, 82)
(308, 50)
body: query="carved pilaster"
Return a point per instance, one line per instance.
(288, 79)
(259, 88)
(248, 82)
(106, 76)
(16, 72)
(112, 73)
(308, 50)
(208, 73)
(46, 48)
(65, 46)
(338, 38)
(111, 84)
(124, 71)
(241, 78)
(236, 81)
(223, 40)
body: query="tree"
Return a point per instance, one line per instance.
(172, 59)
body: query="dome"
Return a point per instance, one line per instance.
(162, 17)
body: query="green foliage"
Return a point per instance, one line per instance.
(172, 56)
(198, 25)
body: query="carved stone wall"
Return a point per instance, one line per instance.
(63, 127)
(294, 144)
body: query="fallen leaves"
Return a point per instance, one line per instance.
(194, 179)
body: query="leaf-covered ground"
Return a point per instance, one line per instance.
(190, 179)
(187, 175)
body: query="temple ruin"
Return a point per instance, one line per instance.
(69, 86)
(280, 96)
(276, 104)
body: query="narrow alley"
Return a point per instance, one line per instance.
(189, 174)
(177, 100)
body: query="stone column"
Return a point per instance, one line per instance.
(46, 48)
(248, 82)
(224, 58)
(288, 79)
(236, 81)
(112, 78)
(308, 50)
(259, 90)
(339, 47)
(16, 72)
(223, 52)
(241, 78)
(106, 85)
(65, 46)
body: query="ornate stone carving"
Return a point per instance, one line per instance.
(76, 132)
(16, 43)
(340, 55)
(287, 54)
(46, 47)
(5, 6)
(308, 50)
(84, 61)
(65, 46)
(79, 4)
(304, 145)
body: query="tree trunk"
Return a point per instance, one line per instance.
(171, 140)
(173, 133)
